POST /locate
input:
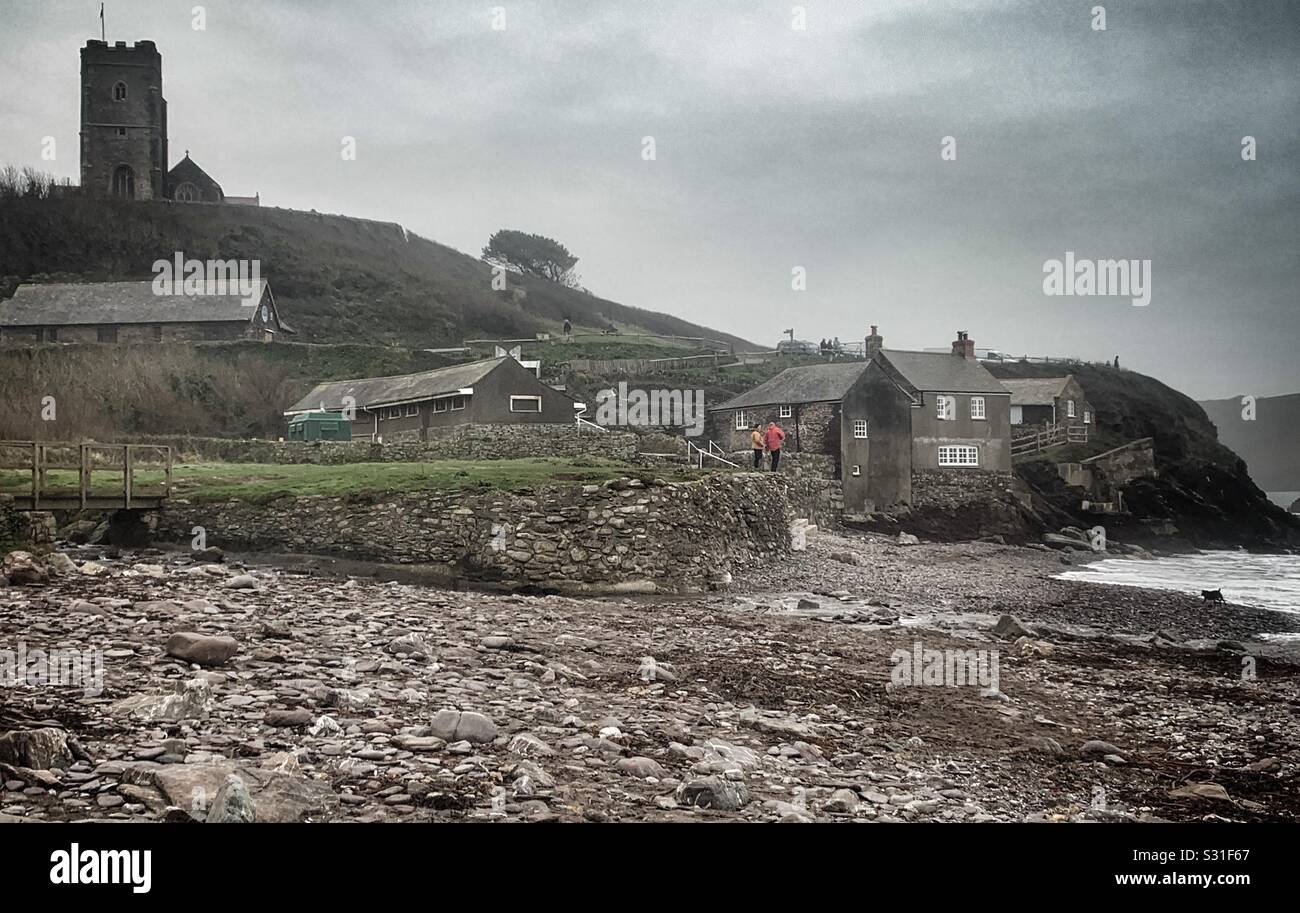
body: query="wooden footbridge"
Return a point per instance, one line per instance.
(49, 475)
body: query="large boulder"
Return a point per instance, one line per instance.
(23, 568)
(201, 649)
(60, 565)
(37, 749)
(277, 797)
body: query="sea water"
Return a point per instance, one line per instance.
(1265, 581)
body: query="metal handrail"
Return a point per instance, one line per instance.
(691, 449)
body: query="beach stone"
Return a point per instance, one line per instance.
(641, 768)
(288, 719)
(713, 792)
(1009, 627)
(201, 649)
(242, 582)
(60, 564)
(907, 539)
(1096, 746)
(455, 726)
(232, 804)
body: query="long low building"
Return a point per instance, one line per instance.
(416, 407)
(134, 312)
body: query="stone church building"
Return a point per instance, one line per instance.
(124, 130)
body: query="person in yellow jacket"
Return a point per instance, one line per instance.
(756, 441)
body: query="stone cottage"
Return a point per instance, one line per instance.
(903, 428)
(1048, 401)
(418, 407)
(135, 312)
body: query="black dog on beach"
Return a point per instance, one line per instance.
(1212, 595)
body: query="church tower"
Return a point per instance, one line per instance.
(123, 121)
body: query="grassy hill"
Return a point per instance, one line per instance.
(1203, 486)
(1270, 444)
(336, 279)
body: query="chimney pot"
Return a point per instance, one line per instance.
(963, 345)
(874, 343)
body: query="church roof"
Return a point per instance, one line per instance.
(188, 170)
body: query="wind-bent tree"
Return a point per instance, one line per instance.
(532, 254)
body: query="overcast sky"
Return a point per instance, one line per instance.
(775, 148)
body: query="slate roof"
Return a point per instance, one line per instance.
(93, 303)
(369, 392)
(809, 384)
(1036, 391)
(942, 372)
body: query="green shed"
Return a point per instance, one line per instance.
(320, 426)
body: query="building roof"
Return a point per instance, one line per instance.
(810, 384)
(92, 303)
(1036, 391)
(368, 392)
(941, 372)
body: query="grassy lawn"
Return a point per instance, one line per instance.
(261, 482)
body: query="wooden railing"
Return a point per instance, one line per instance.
(1054, 435)
(41, 459)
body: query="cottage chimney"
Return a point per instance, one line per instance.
(963, 346)
(875, 342)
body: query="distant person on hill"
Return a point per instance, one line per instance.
(568, 327)
(775, 436)
(1116, 362)
(756, 441)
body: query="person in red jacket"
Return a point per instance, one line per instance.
(773, 440)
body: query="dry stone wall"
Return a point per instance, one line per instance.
(623, 536)
(466, 442)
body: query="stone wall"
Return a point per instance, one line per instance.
(957, 487)
(1114, 469)
(625, 535)
(465, 442)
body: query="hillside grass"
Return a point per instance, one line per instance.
(335, 279)
(262, 483)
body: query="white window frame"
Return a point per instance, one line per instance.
(740, 420)
(440, 405)
(787, 412)
(941, 409)
(531, 399)
(455, 400)
(1087, 416)
(958, 455)
(412, 409)
(860, 429)
(1069, 408)
(977, 410)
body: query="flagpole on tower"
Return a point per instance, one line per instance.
(102, 34)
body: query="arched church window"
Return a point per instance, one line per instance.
(124, 182)
(187, 193)
(119, 91)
